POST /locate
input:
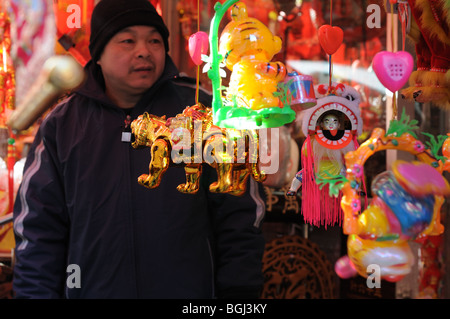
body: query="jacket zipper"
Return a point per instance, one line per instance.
(126, 139)
(126, 132)
(213, 275)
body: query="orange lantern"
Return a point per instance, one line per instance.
(73, 27)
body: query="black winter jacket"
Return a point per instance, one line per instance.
(80, 209)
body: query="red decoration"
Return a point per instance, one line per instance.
(73, 27)
(330, 38)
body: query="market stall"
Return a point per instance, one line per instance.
(341, 103)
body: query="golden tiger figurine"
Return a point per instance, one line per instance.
(248, 46)
(191, 138)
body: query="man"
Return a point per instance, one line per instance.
(85, 228)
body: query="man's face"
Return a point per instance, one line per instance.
(133, 60)
(330, 122)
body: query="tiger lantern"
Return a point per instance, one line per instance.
(256, 96)
(247, 46)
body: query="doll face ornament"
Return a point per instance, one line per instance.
(330, 128)
(336, 119)
(330, 122)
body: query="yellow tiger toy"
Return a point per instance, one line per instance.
(248, 46)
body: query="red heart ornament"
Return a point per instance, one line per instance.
(330, 38)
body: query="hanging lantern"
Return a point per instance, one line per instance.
(198, 46)
(256, 96)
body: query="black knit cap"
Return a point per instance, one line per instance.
(111, 16)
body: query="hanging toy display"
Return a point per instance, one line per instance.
(256, 95)
(393, 68)
(192, 138)
(331, 128)
(405, 206)
(429, 31)
(330, 39)
(198, 46)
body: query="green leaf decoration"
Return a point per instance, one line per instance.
(435, 145)
(402, 126)
(334, 182)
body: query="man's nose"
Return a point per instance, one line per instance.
(142, 49)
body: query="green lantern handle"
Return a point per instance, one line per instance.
(216, 58)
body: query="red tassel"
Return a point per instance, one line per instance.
(11, 160)
(318, 208)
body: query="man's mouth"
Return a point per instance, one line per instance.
(142, 69)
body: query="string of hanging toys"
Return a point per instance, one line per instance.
(251, 101)
(394, 68)
(331, 128)
(378, 233)
(407, 199)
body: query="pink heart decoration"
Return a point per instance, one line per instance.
(393, 68)
(198, 45)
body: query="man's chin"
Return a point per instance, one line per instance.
(141, 87)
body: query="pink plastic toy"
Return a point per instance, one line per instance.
(393, 69)
(198, 45)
